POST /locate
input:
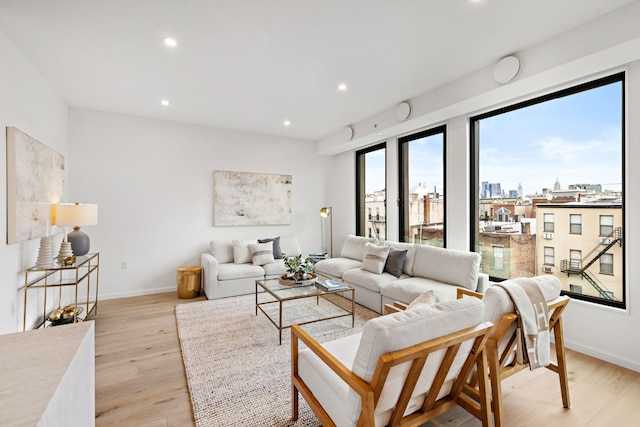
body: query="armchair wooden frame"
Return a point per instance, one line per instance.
(502, 366)
(417, 355)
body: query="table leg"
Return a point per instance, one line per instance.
(353, 310)
(280, 324)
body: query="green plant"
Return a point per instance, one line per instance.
(298, 265)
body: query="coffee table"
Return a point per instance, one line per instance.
(282, 293)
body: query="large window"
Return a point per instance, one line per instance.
(557, 164)
(422, 188)
(371, 201)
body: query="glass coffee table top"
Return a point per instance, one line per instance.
(282, 292)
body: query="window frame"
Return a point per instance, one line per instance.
(577, 225)
(606, 271)
(361, 213)
(613, 225)
(474, 151)
(549, 226)
(403, 178)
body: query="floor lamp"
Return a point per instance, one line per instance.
(324, 213)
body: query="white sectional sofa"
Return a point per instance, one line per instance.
(388, 272)
(233, 266)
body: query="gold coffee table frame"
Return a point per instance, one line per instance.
(282, 293)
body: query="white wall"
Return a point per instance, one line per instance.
(28, 103)
(153, 182)
(605, 46)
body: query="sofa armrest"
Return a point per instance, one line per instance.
(483, 283)
(209, 265)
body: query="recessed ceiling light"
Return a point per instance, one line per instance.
(165, 103)
(169, 42)
(287, 123)
(342, 87)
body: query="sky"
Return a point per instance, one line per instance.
(575, 139)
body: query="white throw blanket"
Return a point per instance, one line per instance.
(533, 313)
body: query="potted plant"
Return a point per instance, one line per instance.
(298, 267)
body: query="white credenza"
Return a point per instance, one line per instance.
(47, 376)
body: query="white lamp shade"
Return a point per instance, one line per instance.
(72, 214)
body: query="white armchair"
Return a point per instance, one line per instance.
(409, 366)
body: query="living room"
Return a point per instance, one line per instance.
(153, 177)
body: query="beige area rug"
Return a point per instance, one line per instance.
(237, 373)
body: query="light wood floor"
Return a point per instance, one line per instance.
(140, 378)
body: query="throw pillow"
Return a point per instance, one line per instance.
(241, 252)
(375, 258)
(277, 251)
(395, 261)
(261, 253)
(428, 297)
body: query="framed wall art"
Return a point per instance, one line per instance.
(244, 198)
(35, 181)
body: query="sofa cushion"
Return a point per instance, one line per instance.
(353, 247)
(277, 252)
(407, 289)
(276, 268)
(327, 387)
(241, 252)
(400, 330)
(428, 297)
(450, 266)
(367, 279)
(336, 267)
(374, 258)
(222, 250)
(290, 246)
(395, 261)
(232, 271)
(261, 253)
(411, 254)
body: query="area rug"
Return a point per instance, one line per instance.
(237, 373)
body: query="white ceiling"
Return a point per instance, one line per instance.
(251, 64)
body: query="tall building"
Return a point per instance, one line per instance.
(581, 244)
(490, 190)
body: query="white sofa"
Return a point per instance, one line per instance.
(230, 268)
(408, 270)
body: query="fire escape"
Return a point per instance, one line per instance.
(580, 267)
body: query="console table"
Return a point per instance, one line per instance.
(79, 277)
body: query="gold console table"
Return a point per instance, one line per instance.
(78, 276)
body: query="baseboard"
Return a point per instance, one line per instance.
(607, 357)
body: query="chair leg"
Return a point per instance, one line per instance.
(294, 403)
(496, 383)
(562, 363)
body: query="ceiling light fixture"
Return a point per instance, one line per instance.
(165, 103)
(287, 123)
(170, 42)
(342, 87)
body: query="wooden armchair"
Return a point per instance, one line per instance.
(404, 369)
(501, 345)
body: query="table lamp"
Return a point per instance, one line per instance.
(75, 215)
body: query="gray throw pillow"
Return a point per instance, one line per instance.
(395, 261)
(277, 251)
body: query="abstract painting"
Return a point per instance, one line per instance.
(35, 180)
(243, 198)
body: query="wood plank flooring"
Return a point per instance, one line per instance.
(140, 378)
